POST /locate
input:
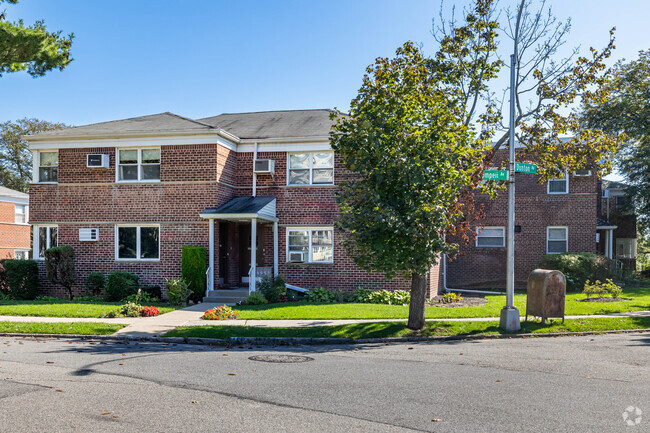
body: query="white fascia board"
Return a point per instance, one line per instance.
(237, 216)
(134, 140)
(286, 146)
(16, 200)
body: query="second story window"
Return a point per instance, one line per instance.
(137, 165)
(311, 168)
(491, 237)
(559, 185)
(21, 214)
(48, 167)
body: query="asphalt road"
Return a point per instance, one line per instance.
(570, 384)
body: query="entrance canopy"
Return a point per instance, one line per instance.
(244, 209)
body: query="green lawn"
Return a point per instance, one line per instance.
(398, 329)
(640, 300)
(80, 328)
(61, 308)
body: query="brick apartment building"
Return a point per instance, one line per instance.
(129, 194)
(14, 230)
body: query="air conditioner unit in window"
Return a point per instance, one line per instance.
(581, 173)
(88, 235)
(264, 166)
(97, 160)
(297, 257)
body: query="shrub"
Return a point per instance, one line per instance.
(256, 298)
(95, 283)
(59, 266)
(4, 285)
(326, 296)
(361, 295)
(130, 309)
(220, 313)
(273, 289)
(22, 278)
(599, 288)
(450, 298)
(177, 291)
(120, 284)
(193, 269)
(578, 267)
(140, 298)
(154, 292)
(149, 311)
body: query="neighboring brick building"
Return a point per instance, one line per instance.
(14, 229)
(130, 194)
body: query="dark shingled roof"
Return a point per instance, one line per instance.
(153, 123)
(274, 124)
(241, 205)
(601, 222)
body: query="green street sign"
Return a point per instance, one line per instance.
(522, 167)
(495, 175)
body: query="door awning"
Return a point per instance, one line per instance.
(602, 224)
(244, 209)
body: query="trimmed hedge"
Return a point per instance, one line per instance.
(22, 278)
(95, 283)
(120, 284)
(193, 267)
(579, 267)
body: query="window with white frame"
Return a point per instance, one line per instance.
(625, 248)
(491, 237)
(559, 185)
(21, 214)
(137, 242)
(21, 254)
(557, 240)
(48, 166)
(311, 245)
(315, 168)
(138, 165)
(45, 237)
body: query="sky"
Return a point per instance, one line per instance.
(200, 58)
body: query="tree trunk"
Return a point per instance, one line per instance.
(416, 306)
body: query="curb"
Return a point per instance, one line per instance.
(302, 341)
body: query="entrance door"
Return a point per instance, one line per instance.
(245, 248)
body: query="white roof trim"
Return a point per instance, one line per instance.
(238, 216)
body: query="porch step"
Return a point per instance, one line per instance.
(228, 297)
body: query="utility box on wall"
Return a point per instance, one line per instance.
(546, 294)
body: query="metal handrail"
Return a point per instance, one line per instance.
(207, 282)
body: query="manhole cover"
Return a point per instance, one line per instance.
(281, 358)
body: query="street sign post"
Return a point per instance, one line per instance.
(522, 167)
(495, 175)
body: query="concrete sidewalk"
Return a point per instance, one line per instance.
(191, 316)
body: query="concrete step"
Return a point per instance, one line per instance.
(228, 297)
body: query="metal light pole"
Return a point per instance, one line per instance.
(509, 314)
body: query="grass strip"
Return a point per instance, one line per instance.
(79, 328)
(398, 329)
(639, 301)
(62, 308)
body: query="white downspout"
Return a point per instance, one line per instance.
(254, 174)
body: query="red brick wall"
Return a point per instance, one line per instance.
(535, 210)
(12, 236)
(193, 178)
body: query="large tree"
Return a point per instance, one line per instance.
(15, 157)
(411, 159)
(31, 48)
(625, 113)
(548, 85)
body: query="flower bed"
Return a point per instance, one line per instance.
(220, 313)
(131, 309)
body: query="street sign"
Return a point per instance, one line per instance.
(522, 167)
(495, 175)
